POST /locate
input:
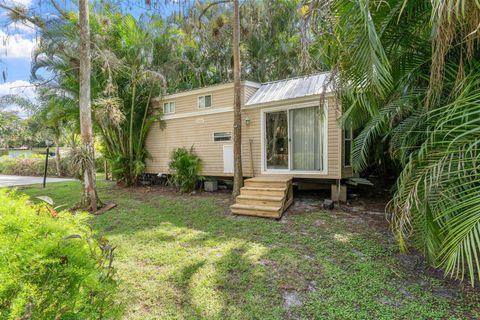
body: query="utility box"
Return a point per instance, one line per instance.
(328, 204)
(211, 185)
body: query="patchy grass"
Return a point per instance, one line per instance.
(185, 257)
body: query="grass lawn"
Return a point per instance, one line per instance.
(186, 257)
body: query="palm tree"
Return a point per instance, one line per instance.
(124, 82)
(237, 104)
(89, 199)
(408, 77)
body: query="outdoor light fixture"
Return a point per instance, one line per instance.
(47, 143)
(247, 121)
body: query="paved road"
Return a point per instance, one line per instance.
(11, 181)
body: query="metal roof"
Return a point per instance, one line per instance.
(291, 88)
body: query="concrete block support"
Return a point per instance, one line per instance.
(339, 192)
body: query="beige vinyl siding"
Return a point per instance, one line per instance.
(197, 129)
(222, 96)
(185, 132)
(334, 140)
(251, 132)
(347, 172)
(248, 91)
(220, 99)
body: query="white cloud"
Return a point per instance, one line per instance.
(19, 87)
(16, 45)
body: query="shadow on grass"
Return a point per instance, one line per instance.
(217, 266)
(232, 292)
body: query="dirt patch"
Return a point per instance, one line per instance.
(304, 206)
(363, 211)
(291, 299)
(369, 210)
(305, 202)
(147, 193)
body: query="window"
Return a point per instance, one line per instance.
(347, 147)
(205, 102)
(169, 107)
(222, 136)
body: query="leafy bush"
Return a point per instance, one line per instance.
(51, 266)
(34, 165)
(185, 166)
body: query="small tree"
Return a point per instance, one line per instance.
(185, 166)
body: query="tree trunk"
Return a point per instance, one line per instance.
(237, 107)
(57, 157)
(89, 199)
(130, 135)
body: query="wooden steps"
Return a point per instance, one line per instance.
(262, 191)
(258, 211)
(260, 200)
(264, 197)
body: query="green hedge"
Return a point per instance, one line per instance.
(51, 265)
(35, 165)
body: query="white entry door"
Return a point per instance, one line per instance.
(227, 158)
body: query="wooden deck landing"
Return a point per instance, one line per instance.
(264, 196)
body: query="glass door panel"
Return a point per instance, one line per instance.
(276, 136)
(306, 135)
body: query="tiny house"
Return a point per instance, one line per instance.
(289, 129)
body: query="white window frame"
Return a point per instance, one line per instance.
(169, 103)
(343, 147)
(220, 141)
(289, 171)
(203, 96)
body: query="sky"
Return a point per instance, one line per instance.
(16, 45)
(17, 41)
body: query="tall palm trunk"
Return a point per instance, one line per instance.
(130, 133)
(89, 199)
(237, 107)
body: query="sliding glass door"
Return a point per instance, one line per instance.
(306, 139)
(276, 147)
(294, 140)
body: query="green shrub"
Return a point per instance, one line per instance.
(34, 165)
(27, 166)
(51, 266)
(185, 166)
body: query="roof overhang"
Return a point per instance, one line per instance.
(292, 101)
(287, 89)
(205, 90)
